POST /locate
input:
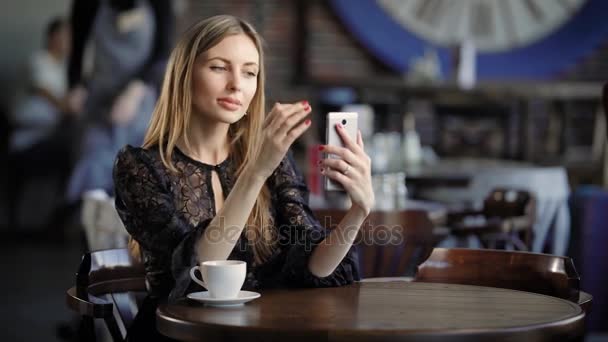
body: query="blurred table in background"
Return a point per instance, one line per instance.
(452, 172)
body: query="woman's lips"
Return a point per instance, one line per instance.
(228, 104)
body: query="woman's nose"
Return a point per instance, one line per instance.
(235, 82)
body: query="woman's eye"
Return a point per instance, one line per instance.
(217, 68)
(251, 74)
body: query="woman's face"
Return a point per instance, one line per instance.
(225, 79)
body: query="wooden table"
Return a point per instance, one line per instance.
(380, 311)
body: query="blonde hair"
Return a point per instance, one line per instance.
(171, 116)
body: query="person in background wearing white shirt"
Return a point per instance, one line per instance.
(47, 102)
(44, 121)
(48, 66)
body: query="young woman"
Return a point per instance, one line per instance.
(214, 179)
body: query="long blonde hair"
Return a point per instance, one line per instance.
(171, 116)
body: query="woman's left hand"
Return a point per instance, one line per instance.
(352, 170)
(125, 105)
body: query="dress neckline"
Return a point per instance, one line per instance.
(221, 165)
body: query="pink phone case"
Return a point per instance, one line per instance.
(349, 121)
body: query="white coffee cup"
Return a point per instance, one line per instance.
(222, 278)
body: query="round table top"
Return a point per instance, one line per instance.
(400, 311)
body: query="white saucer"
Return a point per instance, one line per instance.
(241, 298)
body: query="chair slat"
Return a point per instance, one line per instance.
(112, 274)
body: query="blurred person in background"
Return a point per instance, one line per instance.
(47, 102)
(131, 40)
(43, 120)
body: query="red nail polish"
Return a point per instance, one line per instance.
(305, 103)
(307, 122)
(321, 147)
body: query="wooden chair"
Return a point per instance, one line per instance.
(109, 286)
(533, 272)
(506, 216)
(103, 228)
(391, 243)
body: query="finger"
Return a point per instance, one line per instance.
(275, 108)
(338, 177)
(279, 112)
(292, 121)
(275, 113)
(339, 165)
(286, 112)
(348, 142)
(343, 153)
(360, 140)
(296, 132)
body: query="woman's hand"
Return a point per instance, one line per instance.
(75, 99)
(283, 125)
(353, 170)
(125, 106)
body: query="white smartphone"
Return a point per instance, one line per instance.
(349, 122)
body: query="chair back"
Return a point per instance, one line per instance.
(508, 216)
(109, 285)
(389, 243)
(102, 226)
(533, 272)
(503, 203)
(110, 270)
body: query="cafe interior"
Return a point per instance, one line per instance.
(486, 125)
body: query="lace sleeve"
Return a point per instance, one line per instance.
(145, 203)
(146, 206)
(300, 231)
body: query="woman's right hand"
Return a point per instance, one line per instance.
(282, 127)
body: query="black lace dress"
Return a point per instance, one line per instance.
(166, 213)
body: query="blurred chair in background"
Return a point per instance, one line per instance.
(102, 226)
(550, 188)
(505, 220)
